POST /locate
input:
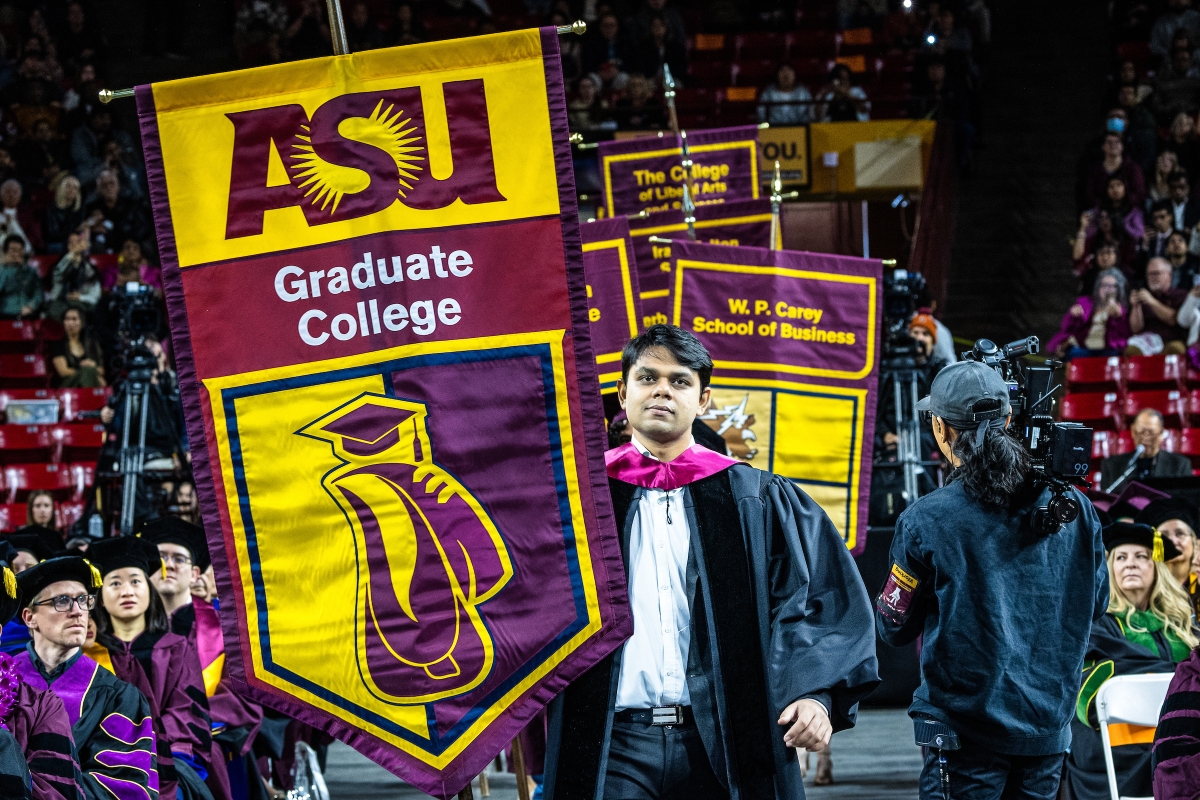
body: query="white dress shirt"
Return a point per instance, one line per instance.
(654, 662)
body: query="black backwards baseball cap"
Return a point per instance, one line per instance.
(965, 395)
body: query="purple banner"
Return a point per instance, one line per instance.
(745, 223)
(614, 304)
(647, 174)
(794, 339)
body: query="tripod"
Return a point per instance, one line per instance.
(908, 430)
(133, 458)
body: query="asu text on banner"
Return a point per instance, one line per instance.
(614, 304)
(794, 339)
(378, 304)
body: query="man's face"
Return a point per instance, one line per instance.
(10, 194)
(1182, 537)
(1113, 146)
(1179, 190)
(1181, 60)
(1106, 257)
(1147, 431)
(1177, 249)
(1163, 221)
(14, 253)
(923, 338)
(1127, 97)
(107, 186)
(63, 628)
(180, 571)
(661, 397)
(1158, 276)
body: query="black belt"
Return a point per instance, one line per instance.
(667, 715)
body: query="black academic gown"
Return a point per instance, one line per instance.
(779, 613)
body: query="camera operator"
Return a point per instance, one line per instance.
(972, 576)
(76, 282)
(923, 330)
(166, 443)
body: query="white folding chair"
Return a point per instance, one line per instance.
(1129, 700)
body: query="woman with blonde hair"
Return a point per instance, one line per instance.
(1148, 628)
(1159, 187)
(64, 215)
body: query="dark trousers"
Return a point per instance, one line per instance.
(649, 762)
(983, 775)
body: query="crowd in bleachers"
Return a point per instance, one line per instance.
(780, 61)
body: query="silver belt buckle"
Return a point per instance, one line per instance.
(666, 715)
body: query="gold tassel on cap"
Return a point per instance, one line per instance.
(10, 583)
(97, 578)
(1158, 554)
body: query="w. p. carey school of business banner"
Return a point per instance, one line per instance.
(376, 294)
(794, 339)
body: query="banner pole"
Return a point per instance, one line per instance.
(337, 32)
(776, 200)
(689, 208)
(337, 28)
(519, 769)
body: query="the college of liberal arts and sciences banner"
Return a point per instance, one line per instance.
(794, 339)
(614, 304)
(646, 174)
(377, 299)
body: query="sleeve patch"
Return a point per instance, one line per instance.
(896, 598)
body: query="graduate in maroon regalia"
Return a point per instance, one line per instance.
(109, 719)
(133, 628)
(752, 630)
(236, 720)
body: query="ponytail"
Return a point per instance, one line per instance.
(994, 471)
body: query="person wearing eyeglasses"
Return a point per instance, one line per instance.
(110, 720)
(133, 632)
(236, 720)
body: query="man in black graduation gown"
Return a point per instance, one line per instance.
(752, 629)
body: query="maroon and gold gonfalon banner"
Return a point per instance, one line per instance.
(378, 304)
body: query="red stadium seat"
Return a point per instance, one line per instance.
(1106, 444)
(753, 72)
(24, 443)
(18, 336)
(1094, 374)
(761, 45)
(83, 475)
(1170, 440)
(21, 479)
(713, 74)
(78, 442)
(44, 264)
(1154, 372)
(812, 71)
(814, 44)
(1189, 444)
(1137, 51)
(1172, 404)
(12, 516)
(75, 402)
(739, 105)
(1098, 410)
(68, 513)
(22, 370)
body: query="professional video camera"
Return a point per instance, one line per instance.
(903, 292)
(137, 311)
(1059, 451)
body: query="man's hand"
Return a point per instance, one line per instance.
(809, 725)
(1076, 310)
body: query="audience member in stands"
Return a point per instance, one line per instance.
(16, 218)
(1185, 210)
(1095, 325)
(77, 359)
(1115, 164)
(361, 32)
(659, 48)
(606, 44)
(133, 627)
(1179, 15)
(1162, 225)
(1152, 462)
(21, 294)
(64, 215)
(1181, 139)
(183, 503)
(307, 35)
(87, 142)
(1119, 206)
(1148, 628)
(586, 110)
(75, 281)
(1165, 165)
(80, 42)
(114, 219)
(1092, 265)
(649, 10)
(1175, 762)
(1097, 231)
(408, 29)
(841, 100)
(1141, 129)
(1176, 520)
(1154, 312)
(785, 102)
(42, 156)
(132, 265)
(258, 32)
(1184, 265)
(39, 509)
(640, 106)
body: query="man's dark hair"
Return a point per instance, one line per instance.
(683, 347)
(993, 472)
(12, 237)
(1177, 175)
(1162, 205)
